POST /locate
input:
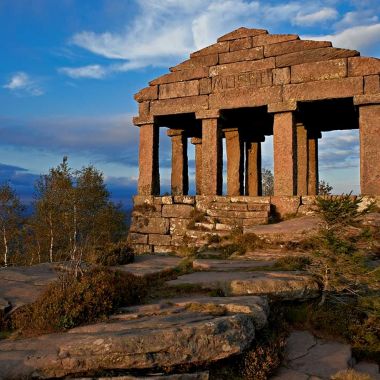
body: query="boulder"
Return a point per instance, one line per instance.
(143, 338)
(292, 285)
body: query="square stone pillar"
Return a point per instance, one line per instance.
(369, 129)
(253, 181)
(149, 176)
(212, 160)
(302, 160)
(284, 152)
(313, 170)
(180, 177)
(235, 162)
(198, 164)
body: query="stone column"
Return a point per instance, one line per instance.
(211, 157)
(369, 128)
(198, 164)
(149, 176)
(313, 170)
(284, 152)
(180, 177)
(235, 162)
(302, 160)
(253, 183)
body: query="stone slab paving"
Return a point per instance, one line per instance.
(22, 285)
(144, 338)
(309, 358)
(183, 376)
(270, 254)
(278, 284)
(229, 265)
(289, 230)
(145, 265)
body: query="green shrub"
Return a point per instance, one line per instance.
(111, 254)
(72, 301)
(293, 263)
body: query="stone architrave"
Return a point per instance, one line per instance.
(149, 176)
(197, 142)
(302, 160)
(179, 177)
(369, 128)
(312, 177)
(285, 159)
(211, 157)
(235, 162)
(253, 183)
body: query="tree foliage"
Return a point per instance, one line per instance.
(72, 215)
(267, 180)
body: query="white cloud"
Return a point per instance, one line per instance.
(357, 18)
(90, 71)
(322, 15)
(366, 39)
(21, 83)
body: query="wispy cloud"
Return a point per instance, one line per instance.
(90, 71)
(22, 84)
(321, 16)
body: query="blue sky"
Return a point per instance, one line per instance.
(69, 69)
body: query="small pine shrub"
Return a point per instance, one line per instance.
(72, 301)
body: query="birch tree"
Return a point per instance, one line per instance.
(10, 221)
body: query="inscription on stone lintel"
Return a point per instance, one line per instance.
(262, 78)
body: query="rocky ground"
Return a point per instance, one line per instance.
(178, 334)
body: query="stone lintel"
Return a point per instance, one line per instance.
(207, 114)
(175, 132)
(286, 106)
(254, 138)
(313, 134)
(196, 140)
(138, 121)
(361, 100)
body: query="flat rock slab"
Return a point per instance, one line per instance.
(282, 285)
(270, 254)
(148, 265)
(146, 338)
(307, 357)
(183, 376)
(22, 285)
(229, 265)
(289, 230)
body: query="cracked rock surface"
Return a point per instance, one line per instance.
(310, 358)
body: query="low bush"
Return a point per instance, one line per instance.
(111, 254)
(350, 374)
(293, 263)
(72, 301)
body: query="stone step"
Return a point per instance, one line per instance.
(218, 265)
(270, 254)
(284, 285)
(141, 338)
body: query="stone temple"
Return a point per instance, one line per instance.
(248, 85)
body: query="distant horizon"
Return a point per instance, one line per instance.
(70, 69)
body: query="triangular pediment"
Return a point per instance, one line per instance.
(251, 67)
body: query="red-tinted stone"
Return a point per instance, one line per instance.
(219, 47)
(179, 105)
(245, 97)
(241, 43)
(241, 33)
(268, 39)
(372, 84)
(328, 89)
(333, 69)
(369, 119)
(359, 66)
(179, 89)
(179, 76)
(204, 86)
(193, 63)
(241, 55)
(281, 76)
(177, 211)
(293, 46)
(240, 67)
(314, 55)
(147, 93)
